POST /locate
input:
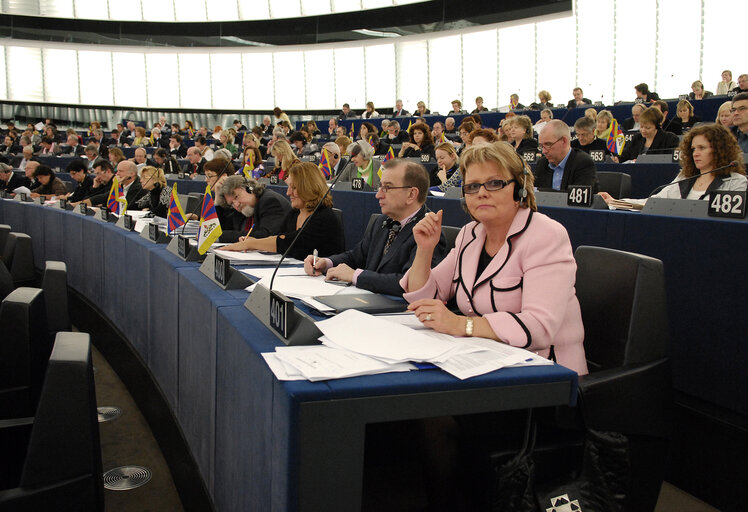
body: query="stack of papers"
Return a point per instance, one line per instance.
(356, 343)
(253, 257)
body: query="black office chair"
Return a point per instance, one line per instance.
(4, 232)
(24, 351)
(6, 281)
(628, 389)
(18, 256)
(450, 235)
(55, 286)
(339, 214)
(617, 184)
(623, 402)
(60, 468)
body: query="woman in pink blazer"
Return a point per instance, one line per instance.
(512, 270)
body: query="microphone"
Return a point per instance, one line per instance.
(200, 204)
(293, 242)
(732, 164)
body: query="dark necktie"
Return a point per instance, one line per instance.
(394, 227)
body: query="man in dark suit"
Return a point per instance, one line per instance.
(261, 209)
(561, 166)
(9, 181)
(102, 182)
(386, 252)
(399, 110)
(176, 146)
(579, 99)
(196, 162)
(79, 172)
(72, 148)
(127, 174)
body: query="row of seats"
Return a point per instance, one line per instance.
(49, 434)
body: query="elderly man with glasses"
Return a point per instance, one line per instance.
(561, 166)
(386, 252)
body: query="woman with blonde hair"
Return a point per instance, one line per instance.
(448, 166)
(684, 118)
(116, 156)
(726, 84)
(724, 114)
(604, 121)
(284, 159)
(324, 232)
(159, 193)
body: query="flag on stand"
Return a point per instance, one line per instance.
(616, 139)
(387, 156)
(353, 131)
(324, 164)
(116, 202)
(371, 143)
(210, 226)
(176, 217)
(442, 138)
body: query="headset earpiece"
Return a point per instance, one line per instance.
(520, 191)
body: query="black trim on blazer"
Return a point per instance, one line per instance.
(495, 289)
(524, 328)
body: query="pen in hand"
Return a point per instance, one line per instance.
(314, 261)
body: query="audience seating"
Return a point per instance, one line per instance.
(617, 184)
(19, 258)
(61, 467)
(4, 232)
(24, 351)
(6, 281)
(55, 286)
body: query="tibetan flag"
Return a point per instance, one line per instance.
(616, 139)
(324, 164)
(387, 156)
(353, 131)
(410, 123)
(249, 165)
(442, 138)
(371, 143)
(210, 226)
(116, 202)
(176, 217)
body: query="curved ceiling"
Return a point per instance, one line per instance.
(401, 20)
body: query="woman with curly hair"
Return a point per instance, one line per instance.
(421, 143)
(705, 148)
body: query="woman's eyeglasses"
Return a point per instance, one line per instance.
(491, 186)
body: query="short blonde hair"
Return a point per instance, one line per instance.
(505, 157)
(154, 174)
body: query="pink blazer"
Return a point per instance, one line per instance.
(527, 291)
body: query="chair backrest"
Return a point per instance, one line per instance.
(624, 310)
(6, 281)
(617, 184)
(450, 235)
(19, 258)
(26, 343)
(63, 460)
(55, 286)
(339, 214)
(4, 232)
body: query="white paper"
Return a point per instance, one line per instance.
(22, 190)
(301, 286)
(381, 338)
(261, 272)
(279, 369)
(253, 257)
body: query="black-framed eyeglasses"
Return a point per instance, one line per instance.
(491, 186)
(549, 145)
(738, 109)
(386, 188)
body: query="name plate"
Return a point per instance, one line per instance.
(580, 195)
(425, 158)
(357, 184)
(40, 200)
(683, 97)
(180, 175)
(274, 179)
(597, 155)
(183, 246)
(730, 204)
(153, 232)
(628, 136)
(639, 100)
(83, 208)
(128, 223)
(730, 94)
(23, 196)
(221, 270)
(676, 155)
(280, 308)
(529, 156)
(63, 204)
(104, 214)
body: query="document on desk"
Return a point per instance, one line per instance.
(304, 286)
(253, 257)
(381, 338)
(492, 355)
(319, 362)
(267, 272)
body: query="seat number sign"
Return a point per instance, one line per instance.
(579, 195)
(730, 204)
(280, 308)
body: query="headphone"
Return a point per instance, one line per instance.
(520, 192)
(392, 225)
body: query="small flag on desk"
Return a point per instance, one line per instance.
(210, 226)
(371, 142)
(116, 201)
(443, 138)
(353, 131)
(324, 164)
(387, 156)
(249, 165)
(176, 217)
(410, 123)
(616, 139)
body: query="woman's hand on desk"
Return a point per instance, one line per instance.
(435, 315)
(428, 231)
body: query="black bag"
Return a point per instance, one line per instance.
(513, 478)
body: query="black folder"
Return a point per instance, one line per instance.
(369, 303)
